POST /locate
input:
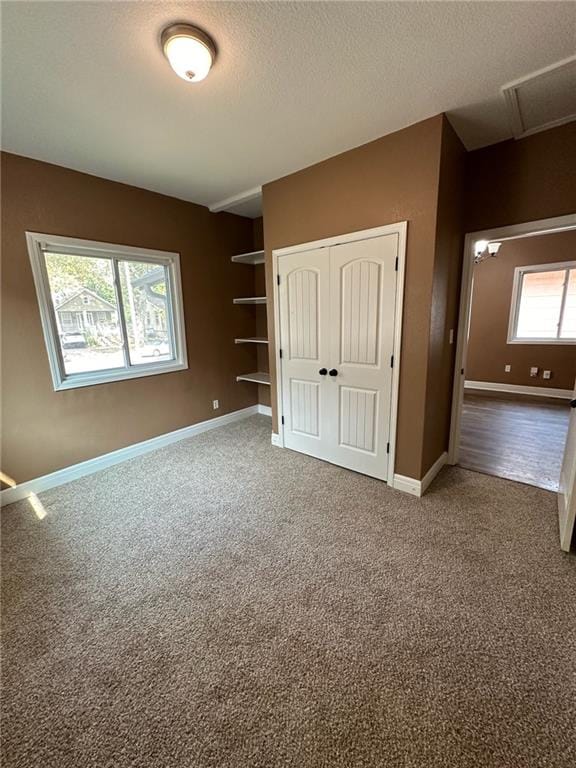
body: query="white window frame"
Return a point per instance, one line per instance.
(519, 273)
(39, 244)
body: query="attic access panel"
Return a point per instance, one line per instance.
(543, 99)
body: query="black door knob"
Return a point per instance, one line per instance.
(323, 371)
(333, 372)
(572, 403)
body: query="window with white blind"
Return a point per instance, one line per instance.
(543, 309)
(109, 312)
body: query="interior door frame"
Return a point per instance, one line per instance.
(512, 232)
(567, 507)
(399, 228)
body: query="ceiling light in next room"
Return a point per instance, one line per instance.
(484, 250)
(190, 51)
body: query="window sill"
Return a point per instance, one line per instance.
(98, 377)
(541, 342)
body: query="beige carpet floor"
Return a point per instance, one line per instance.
(228, 604)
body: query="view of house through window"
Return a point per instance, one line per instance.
(88, 312)
(87, 318)
(107, 317)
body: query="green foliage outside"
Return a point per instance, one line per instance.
(69, 274)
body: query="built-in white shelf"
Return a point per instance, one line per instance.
(258, 378)
(251, 300)
(252, 340)
(255, 257)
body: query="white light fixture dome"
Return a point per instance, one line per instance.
(190, 51)
(483, 249)
(479, 247)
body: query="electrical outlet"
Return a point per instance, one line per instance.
(534, 371)
(507, 368)
(547, 375)
(215, 404)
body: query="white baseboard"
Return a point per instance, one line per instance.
(519, 389)
(265, 410)
(407, 485)
(433, 471)
(276, 439)
(418, 487)
(39, 484)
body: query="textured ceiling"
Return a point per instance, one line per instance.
(85, 84)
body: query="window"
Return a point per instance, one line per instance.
(96, 301)
(543, 309)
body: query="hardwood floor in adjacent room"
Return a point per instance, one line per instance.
(518, 439)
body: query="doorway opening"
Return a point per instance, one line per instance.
(516, 354)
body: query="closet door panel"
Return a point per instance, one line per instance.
(304, 397)
(362, 307)
(358, 417)
(304, 341)
(303, 314)
(360, 282)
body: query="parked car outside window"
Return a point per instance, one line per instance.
(73, 340)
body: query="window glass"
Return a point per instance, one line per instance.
(568, 328)
(145, 300)
(86, 311)
(540, 304)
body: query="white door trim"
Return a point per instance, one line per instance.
(567, 484)
(277, 437)
(399, 228)
(513, 232)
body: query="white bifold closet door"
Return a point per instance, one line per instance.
(337, 308)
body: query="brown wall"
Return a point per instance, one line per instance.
(445, 297)
(517, 181)
(389, 180)
(413, 175)
(488, 350)
(43, 430)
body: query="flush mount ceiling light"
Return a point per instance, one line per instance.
(190, 51)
